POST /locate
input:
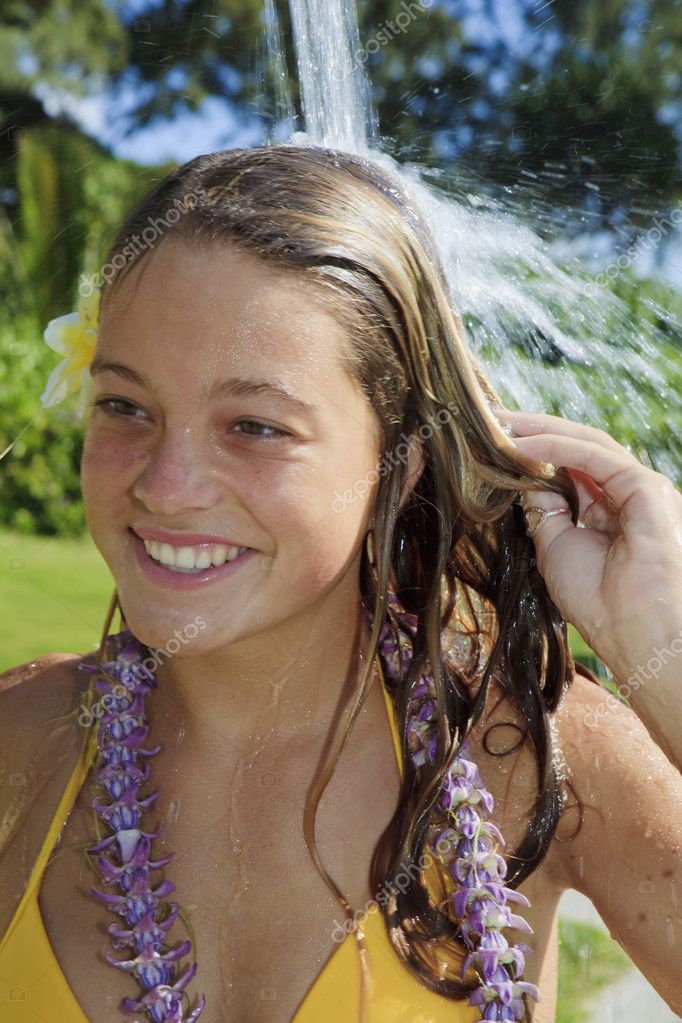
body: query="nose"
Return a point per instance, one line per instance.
(176, 474)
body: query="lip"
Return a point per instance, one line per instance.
(185, 539)
(178, 581)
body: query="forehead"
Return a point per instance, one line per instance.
(217, 302)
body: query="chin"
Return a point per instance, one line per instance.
(178, 631)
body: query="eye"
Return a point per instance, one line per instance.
(274, 431)
(106, 405)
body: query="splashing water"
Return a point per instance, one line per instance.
(550, 337)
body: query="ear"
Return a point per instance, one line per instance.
(416, 459)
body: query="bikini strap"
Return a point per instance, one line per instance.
(57, 824)
(391, 717)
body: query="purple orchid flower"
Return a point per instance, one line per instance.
(480, 901)
(121, 771)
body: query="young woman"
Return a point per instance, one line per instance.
(341, 693)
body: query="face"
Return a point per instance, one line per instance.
(256, 466)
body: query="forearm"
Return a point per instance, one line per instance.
(650, 678)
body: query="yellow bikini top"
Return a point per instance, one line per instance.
(34, 989)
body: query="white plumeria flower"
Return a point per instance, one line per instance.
(73, 336)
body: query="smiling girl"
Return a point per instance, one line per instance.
(343, 660)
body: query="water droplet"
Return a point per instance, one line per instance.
(670, 932)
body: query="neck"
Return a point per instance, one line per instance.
(286, 685)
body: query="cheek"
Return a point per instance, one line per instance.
(106, 469)
(316, 542)
(322, 561)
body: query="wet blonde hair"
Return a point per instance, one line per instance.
(456, 554)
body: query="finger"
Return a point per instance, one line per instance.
(600, 463)
(529, 423)
(595, 509)
(544, 531)
(586, 484)
(633, 489)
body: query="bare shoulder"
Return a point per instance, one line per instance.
(39, 707)
(40, 741)
(621, 830)
(40, 704)
(13, 677)
(619, 837)
(607, 762)
(36, 690)
(611, 763)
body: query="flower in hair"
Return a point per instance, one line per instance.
(74, 336)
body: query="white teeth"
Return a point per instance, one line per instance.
(203, 560)
(191, 559)
(219, 554)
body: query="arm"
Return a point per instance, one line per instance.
(627, 856)
(649, 674)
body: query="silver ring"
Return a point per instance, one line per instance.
(542, 514)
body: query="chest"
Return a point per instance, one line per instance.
(264, 925)
(263, 922)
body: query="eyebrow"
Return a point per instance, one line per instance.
(234, 386)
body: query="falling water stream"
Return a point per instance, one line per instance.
(551, 338)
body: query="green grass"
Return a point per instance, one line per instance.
(589, 961)
(54, 595)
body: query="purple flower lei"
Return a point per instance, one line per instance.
(480, 901)
(121, 771)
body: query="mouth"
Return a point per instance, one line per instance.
(184, 576)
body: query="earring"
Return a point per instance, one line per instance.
(369, 545)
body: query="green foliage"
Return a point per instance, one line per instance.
(69, 41)
(111, 190)
(631, 384)
(589, 960)
(40, 487)
(73, 198)
(50, 214)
